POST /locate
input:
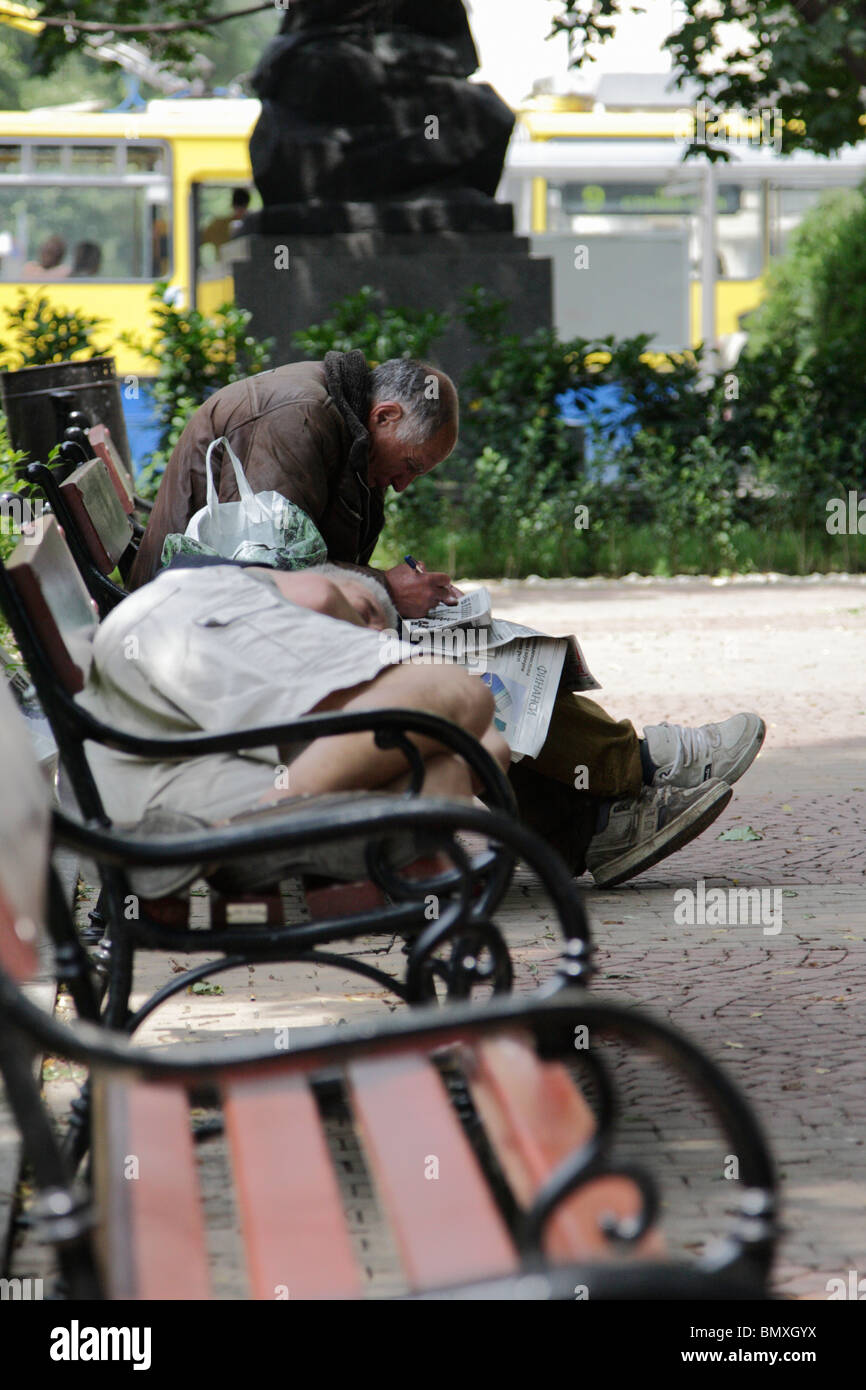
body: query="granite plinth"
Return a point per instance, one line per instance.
(290, 282)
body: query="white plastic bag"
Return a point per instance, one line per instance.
(263, 526)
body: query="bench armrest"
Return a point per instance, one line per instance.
(390, 726)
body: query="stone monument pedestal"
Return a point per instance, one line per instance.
(291, 280)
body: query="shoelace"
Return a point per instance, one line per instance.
(692, 745)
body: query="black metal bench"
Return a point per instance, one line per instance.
(461, 950)
(529, 1198)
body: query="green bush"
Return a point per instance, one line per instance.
(9, 482)
(44, 333)
(711, 480)
(380, 333)
(194, 355)
(816, 292)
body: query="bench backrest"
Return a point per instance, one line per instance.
(103, 523)
(105, 448)
(60, 614)
(24, 842)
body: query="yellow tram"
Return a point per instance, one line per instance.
(95, 207)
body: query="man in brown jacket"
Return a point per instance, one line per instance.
(330, 436)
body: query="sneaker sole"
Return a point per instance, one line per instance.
(685, 828)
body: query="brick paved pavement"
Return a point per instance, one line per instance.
(783, 1012)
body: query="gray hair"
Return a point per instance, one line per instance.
(339, 575)
(428, 397)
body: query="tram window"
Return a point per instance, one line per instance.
(107, 233)
(47, 159)
(217, 218)
(145, 159)
(93, 159)
(87, 210)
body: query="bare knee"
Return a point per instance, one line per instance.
(472, 702)
(484, 705)
(497, 746)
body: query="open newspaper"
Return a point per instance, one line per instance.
(523, 668)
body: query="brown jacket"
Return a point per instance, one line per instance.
(291, 437)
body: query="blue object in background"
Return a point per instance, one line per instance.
(142, 424)
(608, 418)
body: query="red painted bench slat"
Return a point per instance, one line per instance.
(104, 447)
(535, 1116)
(295, 1233)
(148, 1189)
(448, 1228)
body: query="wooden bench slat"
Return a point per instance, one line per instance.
(290, 1206)
(105, 527)
(104, 447)
(447, 1227)
(57, 603)
(152, 1222)
(535, 1116)
(331, 898)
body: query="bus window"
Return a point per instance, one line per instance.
(106, 216)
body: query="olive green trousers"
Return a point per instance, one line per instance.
(587, 757)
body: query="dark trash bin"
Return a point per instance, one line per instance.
(38, 401)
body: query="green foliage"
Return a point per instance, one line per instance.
(380, 333)
(801, 415)
(199, 49)
(44, 332)
(9, 482)
(511, 391)
(807, 60)
(815, 293)
(194, 356)
(705, 483)
(75, 77)
(178, 48)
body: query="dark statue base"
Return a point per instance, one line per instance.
(465, 212)
(429, 272)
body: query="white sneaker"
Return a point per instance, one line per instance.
(642, 830)
(686, 757)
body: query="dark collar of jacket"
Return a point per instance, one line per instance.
(348, 380)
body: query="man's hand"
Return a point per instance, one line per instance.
(415, 591)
